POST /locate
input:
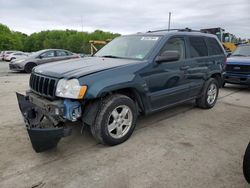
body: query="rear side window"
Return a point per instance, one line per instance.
(198, 47)
(213, 47)
(61, 53)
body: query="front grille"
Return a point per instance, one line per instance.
(238, 68)
(43, 85)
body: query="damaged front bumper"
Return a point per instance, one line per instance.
(45, 120)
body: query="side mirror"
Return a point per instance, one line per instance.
(168, 56)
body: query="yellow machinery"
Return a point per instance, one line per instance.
(93, 44)
(227, 39)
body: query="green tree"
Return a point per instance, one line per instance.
(65, 39)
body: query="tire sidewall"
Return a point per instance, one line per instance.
(211, 81)
(106, 137)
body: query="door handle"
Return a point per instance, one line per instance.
(184, 67)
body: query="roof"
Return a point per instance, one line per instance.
(177, 32)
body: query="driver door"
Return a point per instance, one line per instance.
(166, 81)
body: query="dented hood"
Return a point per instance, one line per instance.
(80, 67)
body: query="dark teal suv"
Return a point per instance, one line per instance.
(132, 75)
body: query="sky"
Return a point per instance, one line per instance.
(125, 16)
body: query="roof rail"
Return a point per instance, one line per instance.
(185, 29)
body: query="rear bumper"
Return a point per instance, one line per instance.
(34, 111)
(234, 78)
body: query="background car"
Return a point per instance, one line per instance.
(40, 57)
(1, 55)
(237, 67)
(15, 55)
(7, 53)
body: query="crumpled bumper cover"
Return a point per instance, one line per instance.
(42, 139)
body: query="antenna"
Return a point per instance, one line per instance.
(169, 20)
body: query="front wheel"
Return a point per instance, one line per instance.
(115, 120)
(209, 94)
(28, 67)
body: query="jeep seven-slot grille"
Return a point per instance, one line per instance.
(238, 68)
(43, 85)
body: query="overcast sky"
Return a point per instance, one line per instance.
(125, 16)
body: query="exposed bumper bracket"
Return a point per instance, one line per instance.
(41, 138)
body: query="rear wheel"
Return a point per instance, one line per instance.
(210, 94)
(28, 67)
(115, 121)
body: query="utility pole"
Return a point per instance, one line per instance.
(169, 20)
(82, 23)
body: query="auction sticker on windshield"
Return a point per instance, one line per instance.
(149, 38)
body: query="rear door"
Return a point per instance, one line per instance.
(62, 55)
(197, 64)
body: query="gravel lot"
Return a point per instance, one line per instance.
(180, 147)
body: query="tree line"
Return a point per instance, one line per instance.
(71, 40)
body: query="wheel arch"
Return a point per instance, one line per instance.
(218, 77)
(91, 106)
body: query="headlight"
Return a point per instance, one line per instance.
(70, 89)
(19, 61)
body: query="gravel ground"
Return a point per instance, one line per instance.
(180, 147)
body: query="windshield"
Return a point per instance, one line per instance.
(242, 51)
(37, 53)
(131, 47)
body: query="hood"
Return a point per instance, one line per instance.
(75, 68)
(238, 60)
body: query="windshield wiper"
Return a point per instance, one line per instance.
(110, 56)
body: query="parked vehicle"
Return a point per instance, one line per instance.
(15, 55)
(41, 57)
(237, 67)
(130, 76)
(1, 55)
(246, 164)
(6, 54)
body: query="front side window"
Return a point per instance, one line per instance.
(198, 47)
(175, 44)
(130, 47)
(243, 51)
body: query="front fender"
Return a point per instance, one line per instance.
(100, 87)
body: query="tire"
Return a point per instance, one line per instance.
(110, 127)
(207, 101)
(246, 164)
(28, 67)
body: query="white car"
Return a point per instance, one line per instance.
(7, 53)
(15, 55)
